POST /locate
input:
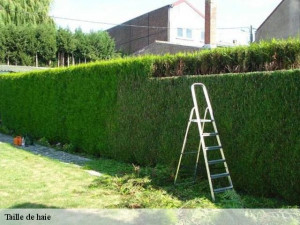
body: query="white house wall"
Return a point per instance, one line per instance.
(183, 16)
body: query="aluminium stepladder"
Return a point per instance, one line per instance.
(206, 149)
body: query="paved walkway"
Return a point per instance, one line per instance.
(48, 152)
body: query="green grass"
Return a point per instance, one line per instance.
(31, 181)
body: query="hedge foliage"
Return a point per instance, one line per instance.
(257, 114)
(263, 56)
(114, 109)
(73, 105)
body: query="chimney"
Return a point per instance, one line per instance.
(210, 24)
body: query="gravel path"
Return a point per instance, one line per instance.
(48, 152)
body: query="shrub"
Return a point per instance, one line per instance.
(43, 141)
(115, 109)
(264, 56)
(74, 105)
(68, 148)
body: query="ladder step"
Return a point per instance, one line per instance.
(213, 162)
(202, 121)
(212, 148)
(218, 190)
(187, 153)
(216, 176)
(210, 134)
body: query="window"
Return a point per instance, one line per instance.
(202, 35)
(179, 32)
(189, 33)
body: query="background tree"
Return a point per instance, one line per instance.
(24, 36)
(19, 19)
(38, 45)
(82, 46)
(2, 44)
(9, 34)
(65, 45)
(20, 12)
(17, 44)
(46, 44)
(29, 37)
(102, 45)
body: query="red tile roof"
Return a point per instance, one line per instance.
(189, 4)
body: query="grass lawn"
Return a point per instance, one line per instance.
(31, 181)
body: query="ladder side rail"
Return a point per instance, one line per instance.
(222, 153)
(214, 124)
(197, 112)
(205, 115)
(201, 134)
(208, 102)
(200, 143)
(184, 143)
(216, 130)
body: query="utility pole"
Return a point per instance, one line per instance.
(251, 34)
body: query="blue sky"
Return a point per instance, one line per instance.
(231, 13)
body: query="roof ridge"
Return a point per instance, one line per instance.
(271, 14)
(189, 4)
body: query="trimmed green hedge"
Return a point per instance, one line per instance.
(114, 109)
(73, 105)
(258, 116)
(263, 56)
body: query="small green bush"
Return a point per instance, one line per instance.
(68, 148)
(43, 141)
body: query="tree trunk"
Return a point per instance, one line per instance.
(36, 60)
(58, 58)
(73, 59)
(68, 58)
(7, 60)
(79, 61)
(63, 59)
(85, 60)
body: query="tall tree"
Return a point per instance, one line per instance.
(21, 12)
(46, 44)
(65, 45)
(9, 34)
(102, 45)
(2, 44)
(82, 46)
(25, 35)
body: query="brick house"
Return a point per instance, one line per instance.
(179, 24)
(282, 23)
